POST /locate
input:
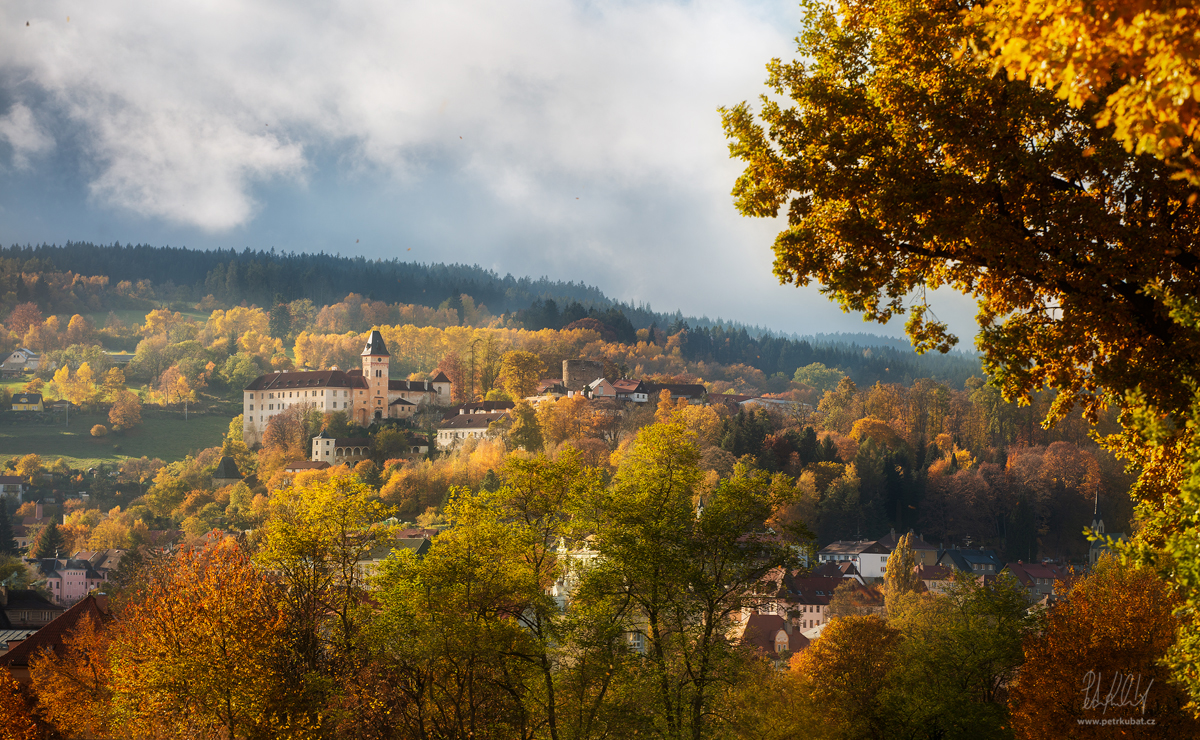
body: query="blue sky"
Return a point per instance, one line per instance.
(578, 140)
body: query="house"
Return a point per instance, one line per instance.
(803, 599)
(21, 361)
(67, 579)
(551, 387)
(869, 557)
(103, 562)
(479, 407)
(336, 451)
(633, 391)
(304, 466)
(13, 486)
(226, 474)
(600, 388)
(51, 636)
(838, 569)
(465, 426)
(937, 578)
(693, 393)
(27, 608)
(1039, 579)
(27, 402)
(979, 562)
(772, 635)
(778, 404)
(923, 552)
(366, 394)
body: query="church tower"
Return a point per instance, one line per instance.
(375, 360)
(1097, 521)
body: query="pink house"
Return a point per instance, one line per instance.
(68, 579)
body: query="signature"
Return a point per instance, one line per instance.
(1124, 690)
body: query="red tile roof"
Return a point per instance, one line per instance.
(51, 636)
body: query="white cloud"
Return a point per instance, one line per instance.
(185, 105)
(24, 134)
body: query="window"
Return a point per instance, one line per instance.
(252, 396)
(251, 407)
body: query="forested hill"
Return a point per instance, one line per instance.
(259, 277)
(179, 277)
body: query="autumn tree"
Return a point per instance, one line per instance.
(23, 317)
(526, 431)
(905, 164)
(202, 649)
(17, 719)
(1139, 59)
(520, 373)
(80, 330)
(29, 467)
(315, 538)
(900, 576)
(1110, 629)
(73, 686)
(844, 675)
(684, 572)
(126, 411)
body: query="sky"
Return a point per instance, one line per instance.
(573, 139)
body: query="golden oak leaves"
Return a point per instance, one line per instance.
(905, 165)
(1139, 59)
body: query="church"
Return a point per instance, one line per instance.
(366, 394)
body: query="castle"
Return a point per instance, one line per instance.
(365, 394)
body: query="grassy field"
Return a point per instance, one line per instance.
(163, 434)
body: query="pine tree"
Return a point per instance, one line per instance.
(8, 545)
(49, 543)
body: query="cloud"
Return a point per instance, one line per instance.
(183, 107)
(24, 134)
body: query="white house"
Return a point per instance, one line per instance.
(868, 556)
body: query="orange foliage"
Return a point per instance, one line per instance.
(1114, 625)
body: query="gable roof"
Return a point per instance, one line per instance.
(472, 421)
(303, 380)
(852, 547)
(51, 636)
(760, 631)
(27, 398)
(892, 539)
(678, 390)
(439, 378)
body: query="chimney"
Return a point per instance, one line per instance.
(37, 510)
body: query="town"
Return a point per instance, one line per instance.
(597, 370)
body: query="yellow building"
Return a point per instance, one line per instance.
(27, 402)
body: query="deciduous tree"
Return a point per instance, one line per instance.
(202, 649)
(1110, 630)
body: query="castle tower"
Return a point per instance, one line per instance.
(375, 360)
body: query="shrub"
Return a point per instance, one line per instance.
(99, 430)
